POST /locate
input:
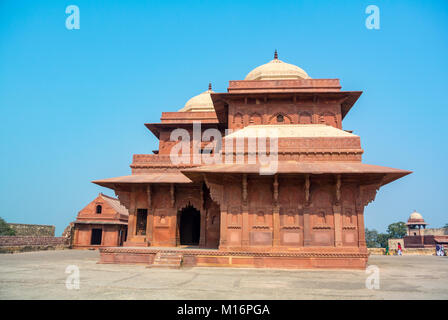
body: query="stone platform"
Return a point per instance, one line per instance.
(303, 258)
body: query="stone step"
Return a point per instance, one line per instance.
(167, 260)
(167, 266)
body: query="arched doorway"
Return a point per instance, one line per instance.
(189, 226)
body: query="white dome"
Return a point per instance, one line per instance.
(200, 103)
(277, 70)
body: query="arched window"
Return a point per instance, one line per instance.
(238, 120)
(279, 118)
(260, 217)
(305, 118)
(99, 209)
(255, 119)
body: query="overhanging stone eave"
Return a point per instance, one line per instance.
(313, 168)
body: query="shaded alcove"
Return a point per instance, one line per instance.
(189, 226)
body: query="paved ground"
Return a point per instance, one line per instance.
(41, 275)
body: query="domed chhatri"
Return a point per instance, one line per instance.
(416, 218)
(415, 224)
(277, 70)
(200, 103)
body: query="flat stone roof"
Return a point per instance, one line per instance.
(290, 131)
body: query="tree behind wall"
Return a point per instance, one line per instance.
(397, 230)
(5, 229)
(372, 238)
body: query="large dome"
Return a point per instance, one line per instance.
(200, 103)
(277, 70)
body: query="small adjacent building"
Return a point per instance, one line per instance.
(102, 223)
(420, 237)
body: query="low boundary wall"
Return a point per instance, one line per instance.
(11, 244)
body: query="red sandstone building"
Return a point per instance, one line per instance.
(308, 213)
(102, 223)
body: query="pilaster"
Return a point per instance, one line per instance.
(361, 231)
(307, 240)
(223, 228)
(337, 225)
(150, 217)
(245, 213)
(132, 215)
(276, 214)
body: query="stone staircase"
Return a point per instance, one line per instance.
(167, 260)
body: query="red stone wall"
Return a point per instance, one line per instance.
(234, 215)
(314, 222)
(427, 241)
(255, 111)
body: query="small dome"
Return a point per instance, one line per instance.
(415, 216)
(200, 103)
(277, 70)
(416, 219)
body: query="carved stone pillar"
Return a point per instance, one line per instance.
(172, 195)
(177, 222)
(202, 241)
(307, 237)
(203, 225)
(150, 218)
(173, 227)
(132, 215)
(361, 231)
(223, 228)
(337, 212)
(245, 214)
(276, 214)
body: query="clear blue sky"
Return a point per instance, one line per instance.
(73, 102)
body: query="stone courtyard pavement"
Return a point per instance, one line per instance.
(41, 275)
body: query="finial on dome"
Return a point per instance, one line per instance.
(275, 55)
(209, 86)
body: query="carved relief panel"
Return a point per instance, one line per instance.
(255, 119)
(322, 217)
(291, 227)
(234, 226)
(349, 217)
(161, 232)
